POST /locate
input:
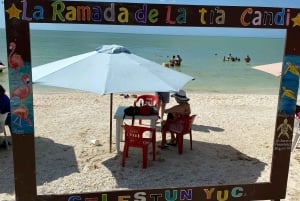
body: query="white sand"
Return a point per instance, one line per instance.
(232, 143)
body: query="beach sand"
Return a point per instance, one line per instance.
(232, 144)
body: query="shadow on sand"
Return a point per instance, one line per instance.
(59, 157)
(206, 129)
(201, 128)
(206, 164)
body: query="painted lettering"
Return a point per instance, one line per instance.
(109, 13)
(243, 16)
(104, 197)
(58, 8)
(169, 197)
(288, 17)
(168, 17)
(78, 198)
(91, 199)
(181, 18)
(83, 13)
(257, 19)
(140, 196)
(63, 12)
(209, 192)
(217, 16)
(123, 198)
(141, 15)
(279, 17)
(96, 14)
(222, 195)
(265, 18)
(186, 194)
(153, 16)
(237, 192)
(202, 13)
(71, 13)
(220, 19)
(155, 196)
(123, 16)
(74, 198)
(24, 17)
(38, 13)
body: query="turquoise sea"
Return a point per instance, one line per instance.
(202, 56)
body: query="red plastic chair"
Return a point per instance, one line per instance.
(147, 99)
(180, 127)
(134, 138)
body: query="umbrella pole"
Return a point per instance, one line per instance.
(110, 125)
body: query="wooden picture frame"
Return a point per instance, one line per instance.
(18, 16)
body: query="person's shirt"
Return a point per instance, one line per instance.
(4, 104)
(180, 110)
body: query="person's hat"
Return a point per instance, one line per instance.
(181, 95)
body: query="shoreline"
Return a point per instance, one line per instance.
(44, 89)
(227, 141)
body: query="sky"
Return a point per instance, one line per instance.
(184, 31)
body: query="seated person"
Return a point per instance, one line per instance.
(175, 112)
(5, 106)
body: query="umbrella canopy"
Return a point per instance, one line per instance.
(107, 70)
(110, 69)
(274, 68)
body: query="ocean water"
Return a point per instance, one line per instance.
(202, 56)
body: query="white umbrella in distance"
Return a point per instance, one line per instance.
(274, 68)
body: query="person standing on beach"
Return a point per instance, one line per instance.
(164, 98)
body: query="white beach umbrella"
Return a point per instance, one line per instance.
(107, 70)
(274, 68)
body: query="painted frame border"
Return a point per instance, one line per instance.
(18, 16)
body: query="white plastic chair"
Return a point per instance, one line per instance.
(2, 127)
